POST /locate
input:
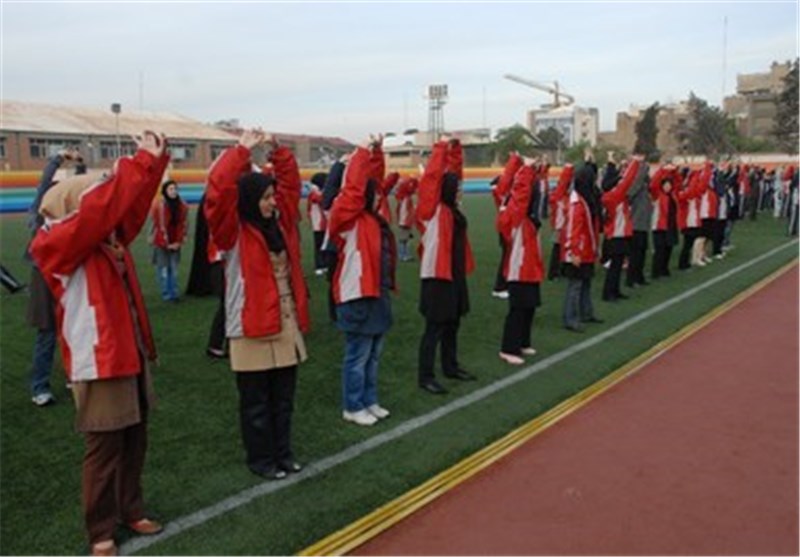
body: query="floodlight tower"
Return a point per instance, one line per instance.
(437, 98)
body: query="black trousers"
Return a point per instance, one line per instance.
(319, 261)
(663, 251)
(500, 284)
(685, 258)
(554, 268)
(436, 333)
(216, 337)
(636, 261)
(266, 403)
(517, 330)
(718, 235)
(617, 248)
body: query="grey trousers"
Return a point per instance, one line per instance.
(578, 302)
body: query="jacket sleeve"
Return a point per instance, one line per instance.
(351, 201)
(430, 185)
(332, 185)
(521, 193)
(289, 185)
(134, 219)
(639, 182)
(575, 222)
(455, 159)
(618, 193)
(222, 195)
(61, 246)
(655, 183)
(504, 185)
(184, 228)
(377, 165)
(564, 180)
(389, 182)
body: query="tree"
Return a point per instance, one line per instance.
(646, 134)
(516, 138)
(706, 131)
(551, 139)
(786, 122)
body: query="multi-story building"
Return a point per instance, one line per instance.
(576, 124)
(755, 104)
(670, 117)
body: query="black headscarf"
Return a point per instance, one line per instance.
(584, 186)
(251, 189)
(319, 179)
(449, 195)
(611, 177)
(173, 204)
(369, 195)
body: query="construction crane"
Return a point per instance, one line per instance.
(560, 98)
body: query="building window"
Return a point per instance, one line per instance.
(43, 148)
(182, 151)
(108, 149)
(217, 149)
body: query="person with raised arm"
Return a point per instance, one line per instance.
(253, 218)
(105, 335)
(618, 228)
(446, 260)
(518, 221)
(406, 215)
(362, 282)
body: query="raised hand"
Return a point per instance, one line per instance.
(152, 142)
(252, 138)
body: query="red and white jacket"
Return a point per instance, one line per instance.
(93, 277)
(161, 218)
(559, 199)
(357, 235)
(314, 210)
(618, 221)
(252, 301)
(524, 261)
(579, 236)
(688, 198)
(404, 195)
(709, 200)
(661, 199)
(435, 219)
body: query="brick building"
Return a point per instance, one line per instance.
(30, 132)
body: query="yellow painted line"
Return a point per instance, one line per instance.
(383, 518)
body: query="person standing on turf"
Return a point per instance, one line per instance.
(105, 335)
(446, 260)
(253, 218)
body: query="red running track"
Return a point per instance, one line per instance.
(697, 454)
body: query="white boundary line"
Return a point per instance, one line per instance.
(242, 498)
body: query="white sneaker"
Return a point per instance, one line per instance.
(719, 256)
(320, 272)
(502, 294)
(378, 411)
(529, 351)
(511, 359)
(43, 399)
(362, 417)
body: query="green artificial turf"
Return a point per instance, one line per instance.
(195, 457)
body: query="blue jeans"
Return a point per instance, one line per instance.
(578, 302)
(360, 371)
(43, 351)
(168, 276)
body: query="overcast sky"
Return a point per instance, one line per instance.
(348, 69)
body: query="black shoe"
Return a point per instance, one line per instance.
(433, 387)
(290, 466)
(268, 472)
(593, 320)
(574, 328)
(461, 375)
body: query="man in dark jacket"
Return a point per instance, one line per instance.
(641, 214)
